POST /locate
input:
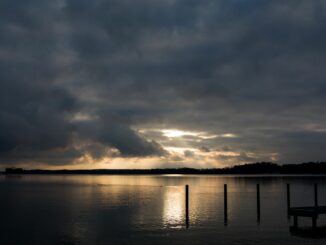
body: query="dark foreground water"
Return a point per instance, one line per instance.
(151, 210)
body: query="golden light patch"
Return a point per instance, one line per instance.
(173, 133)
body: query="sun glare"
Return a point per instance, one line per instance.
(173, 207)
(173, 133)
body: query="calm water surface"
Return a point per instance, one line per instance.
(91, 209)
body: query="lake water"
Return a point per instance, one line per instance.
(90, 209)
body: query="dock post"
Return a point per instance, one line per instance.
(288, 197)
(187, 205)
(225, 204)
(314, 222)
(295, 221)
(316, 195)
(258, 203)
(314, 218)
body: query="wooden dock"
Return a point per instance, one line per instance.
(308, 211)
(312, 212)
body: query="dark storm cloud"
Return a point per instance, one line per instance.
(120, 136)
(77, 77)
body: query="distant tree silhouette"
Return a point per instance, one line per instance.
(251, 168)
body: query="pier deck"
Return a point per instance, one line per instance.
(307, 211)
(312, 211)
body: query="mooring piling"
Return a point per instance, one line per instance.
(187, 205)
(258, 202)
(316, 195)
(314, 218)
(288, 200)
(288, 197)
(225, 204)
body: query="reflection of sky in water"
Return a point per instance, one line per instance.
(149, 209)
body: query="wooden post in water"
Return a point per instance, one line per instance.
(225, 204)
(187, 205)
(258, 203)
(314, 218)
(316, 195)
(288, 197)
(314, 222)
(295, 221)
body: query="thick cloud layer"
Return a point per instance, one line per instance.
(92, 80)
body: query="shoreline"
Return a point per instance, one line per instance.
(263, 168)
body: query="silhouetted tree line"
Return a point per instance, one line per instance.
(251, 168)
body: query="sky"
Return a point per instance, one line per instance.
(161, 83)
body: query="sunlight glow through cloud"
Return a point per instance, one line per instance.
(172, 133)
(175, 133)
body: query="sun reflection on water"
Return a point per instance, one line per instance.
(173, 208)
